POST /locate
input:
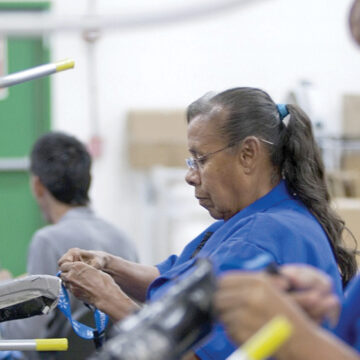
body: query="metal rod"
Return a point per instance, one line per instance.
(92, 78)
(14, 164)
(35, 73)
(35, 24)
(60, 344)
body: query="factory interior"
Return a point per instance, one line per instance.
(135, 66)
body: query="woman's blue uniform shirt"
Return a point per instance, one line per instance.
(276, 224)
(348, 327)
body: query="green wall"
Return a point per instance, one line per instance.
(24, 115)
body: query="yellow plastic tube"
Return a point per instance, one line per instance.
(266, 341)
(60, 344)
(64, 65)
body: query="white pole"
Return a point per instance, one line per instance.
(35, 73)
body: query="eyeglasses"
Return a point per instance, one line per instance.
(195, 163)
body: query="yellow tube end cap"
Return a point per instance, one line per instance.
(64, 65)
(60, 344)
(268, 339)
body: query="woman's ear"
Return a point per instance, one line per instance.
(249, 153)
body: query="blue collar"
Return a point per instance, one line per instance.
(223, 230)
(278, 194)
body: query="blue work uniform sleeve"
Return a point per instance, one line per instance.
(167, 264)
(218, 345)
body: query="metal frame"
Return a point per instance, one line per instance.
(35, 24)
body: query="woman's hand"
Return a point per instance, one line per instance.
(133, 278)
(246, 301)
(313, 292)
(97, 288)
(96, 259)
(85, 282)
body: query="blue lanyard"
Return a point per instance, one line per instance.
(82, 330)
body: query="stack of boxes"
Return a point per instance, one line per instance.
(346, 181)
(157, 138)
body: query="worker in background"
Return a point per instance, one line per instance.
(60, 181)
(256, 168)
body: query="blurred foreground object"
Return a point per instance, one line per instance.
(167, 328)
(28, 296)
(35, 72)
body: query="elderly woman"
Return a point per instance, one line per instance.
(256, 168)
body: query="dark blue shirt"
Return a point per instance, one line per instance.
(348, 327)
(278, 225)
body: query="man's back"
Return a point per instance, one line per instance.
(81, 228)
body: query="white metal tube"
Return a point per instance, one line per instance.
(60, 344)
(17, 345)
(35, 73)
(14, 164)
(26, 75)
(92, 78)
(35, 24)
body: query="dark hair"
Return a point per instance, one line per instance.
(63, 165)
(295, 154)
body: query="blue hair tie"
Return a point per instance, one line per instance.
(283, 111)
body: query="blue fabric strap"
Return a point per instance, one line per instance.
(82, 330)
(283, 111)
(11, 355)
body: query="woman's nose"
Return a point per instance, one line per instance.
(192, 177)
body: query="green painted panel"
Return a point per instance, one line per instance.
(24, 115)
(18, 215)
(24, 5)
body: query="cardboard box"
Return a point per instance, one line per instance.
(351, 115)
(350, 160)
(344, 183)
(349, 210)
(336, 184)
(157, 137)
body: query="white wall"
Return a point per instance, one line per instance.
(271, 44)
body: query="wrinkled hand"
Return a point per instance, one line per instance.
(246, 301)
(85, 282)
(96, 259)
(313, 291)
